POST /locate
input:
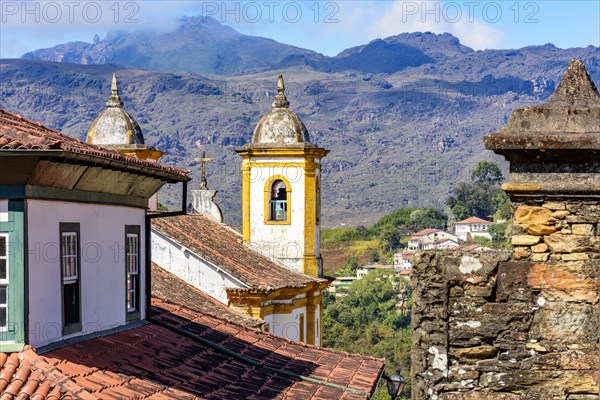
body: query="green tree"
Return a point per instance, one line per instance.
(428, 218)
(389, 238)
(367, 321)
(482, 197)
(488, 173)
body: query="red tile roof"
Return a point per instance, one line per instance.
(473, 220)
(18, 133)
(425, 232)
(22, 379)
(224, 247)
(167, 286)
(189, 355)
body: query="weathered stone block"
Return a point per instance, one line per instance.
(582, 229)
(560, 243)
(566, 323)
(555, 205)
(560, 215)
(540, 257)
(588, 359)
(480, 396)
(540, 248)
(525, 240)
(474, 353)
(520, 253)
(535, 220)
(575, 257)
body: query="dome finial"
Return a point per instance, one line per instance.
(114, 100)
(280, 100)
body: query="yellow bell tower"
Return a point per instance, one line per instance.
(281, 195)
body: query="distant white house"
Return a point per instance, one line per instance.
(403, 260)
(365, 269)
(427, 238)
(472, 227)
(441, 244)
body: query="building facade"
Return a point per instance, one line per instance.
(72, 243)
(471, 228)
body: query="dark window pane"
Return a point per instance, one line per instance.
(3, 296)
(71, 303)
(2, 268)
(3, 317)
(2, 246)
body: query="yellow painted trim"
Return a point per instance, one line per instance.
(280, 308)
(143, 154)
(298, 303)
(267, 200)
(310, 264)
(246, 169)
(310, 319)
(315, 152)
(301, 328)
(271, 164)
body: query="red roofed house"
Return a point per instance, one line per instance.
(472, 227)
(74, 284)
(423, 239)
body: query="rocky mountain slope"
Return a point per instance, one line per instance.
(401, 136)
(199, 44)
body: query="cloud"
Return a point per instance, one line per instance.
(460, 19)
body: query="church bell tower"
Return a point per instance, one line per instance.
(281, 195)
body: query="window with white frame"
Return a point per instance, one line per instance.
(70, 273)
(132, 268)
(3, 282)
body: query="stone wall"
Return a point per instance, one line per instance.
(525, 325)
(486, 326)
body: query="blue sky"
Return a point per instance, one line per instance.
(324, 26)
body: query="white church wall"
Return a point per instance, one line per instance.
(284, 242)
(190, 267)
(102, 278)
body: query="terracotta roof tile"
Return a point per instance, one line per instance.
(158, 363)
(224, 247)
(473, 220)
(18, 133)
(425, 232)
(167, 286)
(22, 376)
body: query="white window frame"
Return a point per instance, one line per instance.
(72, 275)
(132, 258)
(5, 282)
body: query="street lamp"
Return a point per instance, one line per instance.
(395, 384)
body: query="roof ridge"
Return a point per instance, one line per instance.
(270, 334)
(223, 256)
(19, 133)
(164, 300)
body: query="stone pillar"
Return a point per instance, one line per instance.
(554, 155)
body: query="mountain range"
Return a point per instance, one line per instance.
(403, 116)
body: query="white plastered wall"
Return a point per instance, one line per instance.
(190, 267)
(102, 280)
(283, 242)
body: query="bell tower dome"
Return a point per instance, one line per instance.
(116, 129)
(281, 196)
